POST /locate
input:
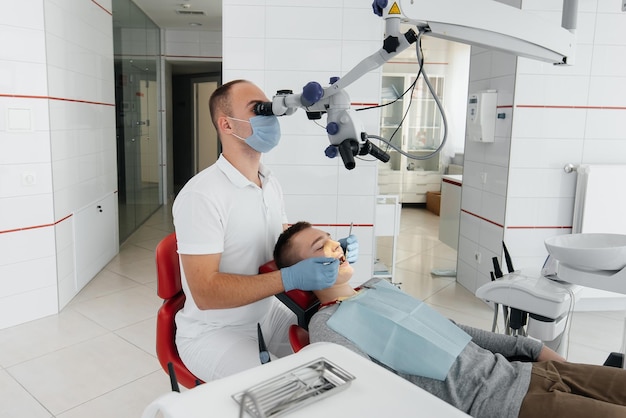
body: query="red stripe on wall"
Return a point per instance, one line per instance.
(37, 226)
(102, 7)
(21, 96)
(571, 107)
(538, 227)
(482, 218)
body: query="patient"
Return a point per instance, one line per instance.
(481, 381)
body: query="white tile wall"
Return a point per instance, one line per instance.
(57, 130)
(195, 45)
(559, 115)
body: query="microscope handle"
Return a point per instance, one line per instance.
(378, 153)
(348, 149)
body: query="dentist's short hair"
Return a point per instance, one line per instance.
(220, 100)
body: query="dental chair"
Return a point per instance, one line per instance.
(170, 290)
(302, 303)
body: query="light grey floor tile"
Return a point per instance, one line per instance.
(37, 338)
(105, 283)
(16, 402)
(121, 309)
(127, 401)
(142, 334)
(74, 375)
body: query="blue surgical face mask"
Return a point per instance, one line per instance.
(265, 132)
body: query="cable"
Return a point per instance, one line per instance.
(420, 58)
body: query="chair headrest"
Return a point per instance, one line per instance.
(168, 267)
(268, 267)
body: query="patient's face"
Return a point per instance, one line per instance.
(313, 242)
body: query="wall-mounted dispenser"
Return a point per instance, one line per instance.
(481, 116)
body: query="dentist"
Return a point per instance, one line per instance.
(227, 219)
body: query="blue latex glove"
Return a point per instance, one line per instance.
(350, 247)
(311, 274)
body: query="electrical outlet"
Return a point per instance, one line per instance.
(29, 178)
(483, 177)
(478, 257)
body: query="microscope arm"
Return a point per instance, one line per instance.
(485, 23)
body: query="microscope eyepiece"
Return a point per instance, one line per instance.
(263, 109)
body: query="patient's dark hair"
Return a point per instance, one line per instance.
(283, 250)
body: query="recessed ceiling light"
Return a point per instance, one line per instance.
(195, 24)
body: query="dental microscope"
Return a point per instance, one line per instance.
(483, 23)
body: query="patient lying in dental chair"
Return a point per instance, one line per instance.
(472, 372)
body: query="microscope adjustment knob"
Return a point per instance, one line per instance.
(332, 128)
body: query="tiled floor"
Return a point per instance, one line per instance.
(97, 358)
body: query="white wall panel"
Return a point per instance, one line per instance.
(241, 20)
(357, 24)
(22, 148)
(539, 212)
(26, 14)
(31, 48)
(544, 152)
(291, 23)
(28, 306)
(471, 200)
(609, 151)
(357, 209)
(25, 211)
(551, 90)
(549, 123)
(326, 4)
(492, 207)
(605, 123)
(303, 179)
(25, 78)
(610, 29)
(495, 179)
(496, 153)
(65, 55)
(533, 183)
(303, 55)
(311, 208)
(27, 276)
(608, 61)
(607, 92)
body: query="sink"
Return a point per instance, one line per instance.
(589, 251)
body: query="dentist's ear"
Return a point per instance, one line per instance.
(224, 124)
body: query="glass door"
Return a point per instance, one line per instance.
(137, 57)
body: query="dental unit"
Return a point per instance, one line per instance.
(595, 260)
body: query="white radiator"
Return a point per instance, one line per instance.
(600, 203)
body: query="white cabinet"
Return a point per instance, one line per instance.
(96, 239)
(450, 213)
(387, 224)
(411, 122)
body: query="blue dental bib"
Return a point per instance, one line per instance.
(400, 331)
